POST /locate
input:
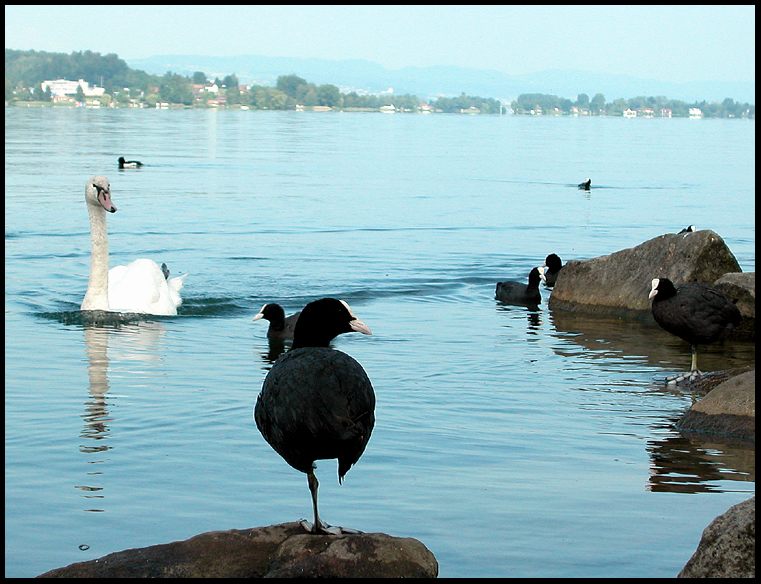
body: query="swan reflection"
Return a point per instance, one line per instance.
(116, 342)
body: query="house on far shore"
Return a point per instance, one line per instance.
(63, 87)
(696, 112)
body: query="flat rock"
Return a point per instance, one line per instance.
(283, 550)
(728, 410)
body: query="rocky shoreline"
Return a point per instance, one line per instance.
(616, 286)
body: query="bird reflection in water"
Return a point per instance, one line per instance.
(693, 464)
(534, 320)
(135, 341)
(533, 316)
(275, 348)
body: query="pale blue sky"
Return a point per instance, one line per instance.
(671, 43)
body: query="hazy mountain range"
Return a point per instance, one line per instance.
(428, 82)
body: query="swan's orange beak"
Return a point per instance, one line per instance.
(104, 198)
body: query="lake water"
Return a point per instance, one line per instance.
(511, 442)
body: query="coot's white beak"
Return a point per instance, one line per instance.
(260, 314)
(653, 289)
(360, 327)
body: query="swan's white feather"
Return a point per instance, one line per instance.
(140, 286)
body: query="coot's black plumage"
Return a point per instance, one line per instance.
(129, 163)
(552, 265)
(688, 229)
(694, 312)
(317, 402)
(520, 293)
(586, 185)
(281, 328)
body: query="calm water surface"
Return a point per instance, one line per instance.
(511, 442)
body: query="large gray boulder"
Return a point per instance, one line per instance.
(727, 411)
(283, 550)
(727, 548)
(618, 284)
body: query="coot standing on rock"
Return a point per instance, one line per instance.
(317, 402)
(129, 163)
(694, 312)
(281, 327)
(520, 293)
(552, 265)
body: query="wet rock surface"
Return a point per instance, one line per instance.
(283, 550)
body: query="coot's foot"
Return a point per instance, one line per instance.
(690, 377)
(325, 529)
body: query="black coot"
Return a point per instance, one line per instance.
(552, 265)
(520, 293)
(281, 328)
(317, 402)
(694, 312)
(586, 185)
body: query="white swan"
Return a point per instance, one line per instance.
(140, 286)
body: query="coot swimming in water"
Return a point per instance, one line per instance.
(586, 185)
(129, 163)
(520, 293)
(281, 327)
(317, 402)
(694, 312)
(553, 264)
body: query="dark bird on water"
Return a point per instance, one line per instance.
(129, 163)
(586, 185)
(520, 293)
(281, 328)
(317, 402)
(695, 313)
(552, 265)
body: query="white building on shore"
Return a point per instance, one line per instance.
(62, 87)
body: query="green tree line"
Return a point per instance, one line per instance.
(26, 70)
(529, 103)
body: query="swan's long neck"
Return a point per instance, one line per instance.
(96, 297)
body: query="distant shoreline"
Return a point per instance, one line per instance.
(325, 109)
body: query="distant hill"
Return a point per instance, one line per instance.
(431, 82)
